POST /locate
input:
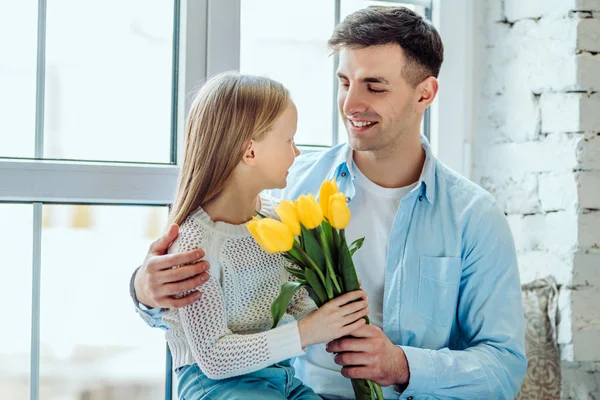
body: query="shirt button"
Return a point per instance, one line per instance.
(420, 198)
(343, 174)
(347, 199)
(410, 398)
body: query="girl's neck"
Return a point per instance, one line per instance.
(233, 205)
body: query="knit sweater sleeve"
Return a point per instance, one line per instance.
(218, 351)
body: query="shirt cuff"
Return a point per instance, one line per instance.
(421, 366)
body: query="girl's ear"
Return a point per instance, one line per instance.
(249, 157)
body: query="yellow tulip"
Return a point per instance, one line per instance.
(272, 235)
(289, 216)
(339, 213)
(327, 189)
(309, 211)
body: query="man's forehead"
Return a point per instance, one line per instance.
(368, 62)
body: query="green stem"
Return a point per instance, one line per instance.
(312, 264)
(321, 238)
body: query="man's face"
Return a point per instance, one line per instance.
(375, 101)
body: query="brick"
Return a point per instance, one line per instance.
(517, 196)
(589, 230)
(588, 35)
(539, 264)
(590, 5)
(580, 380)
(545, 53)
(516, 9)
(590, 112)
(570, 112)
(555, 232)
(588, 78)
(585, 323)
(588, 152)
(588, 183)
(560, 112)
(586, 268)
(510, 123)
(558, 191)
(555, 153)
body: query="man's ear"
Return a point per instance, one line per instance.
(249, 157)
(426, 92)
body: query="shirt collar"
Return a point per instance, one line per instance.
(343, 163)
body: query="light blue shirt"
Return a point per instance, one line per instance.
(452, 297)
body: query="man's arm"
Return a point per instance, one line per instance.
(155, 284)
(491, 321)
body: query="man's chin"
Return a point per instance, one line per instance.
(362, 144)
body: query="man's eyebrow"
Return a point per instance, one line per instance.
(370, 79)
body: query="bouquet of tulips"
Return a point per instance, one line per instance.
(311, 236)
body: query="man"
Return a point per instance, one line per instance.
(438, 262)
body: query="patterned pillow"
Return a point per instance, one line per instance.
(543, 377)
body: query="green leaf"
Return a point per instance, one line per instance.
(320, 236)
(378, 391)
(313, 248)
(295, 255)
(280, 304)
(298, 273)
(349, 277)
(315, 286)
(328, 284)
(328, 232)
(357, 244)
(260, 214)
(313, 296)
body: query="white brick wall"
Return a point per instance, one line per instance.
(537, 150)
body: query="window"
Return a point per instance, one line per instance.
(87, 166)
(275, 41)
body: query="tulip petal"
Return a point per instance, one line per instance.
(289, 216)
(339, 212)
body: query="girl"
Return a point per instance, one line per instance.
(240, 142)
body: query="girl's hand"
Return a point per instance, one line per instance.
(336, 318)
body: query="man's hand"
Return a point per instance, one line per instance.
(156, 282)
(369, 354)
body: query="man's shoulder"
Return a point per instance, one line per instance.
(310, 170)
(466, 196)
(316, 158)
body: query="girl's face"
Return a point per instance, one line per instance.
(275, 153)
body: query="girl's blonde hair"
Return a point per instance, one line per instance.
(229, 110)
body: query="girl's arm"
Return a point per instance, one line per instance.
(221, 353)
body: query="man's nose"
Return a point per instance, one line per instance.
(354, 102)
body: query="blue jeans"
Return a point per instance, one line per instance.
(276, 382)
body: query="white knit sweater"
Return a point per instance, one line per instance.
(226, 332)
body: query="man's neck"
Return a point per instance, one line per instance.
(397, 168)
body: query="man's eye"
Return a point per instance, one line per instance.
(375, 90)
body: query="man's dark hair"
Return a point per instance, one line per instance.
(380, 25)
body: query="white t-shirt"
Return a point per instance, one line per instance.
(373, 210)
